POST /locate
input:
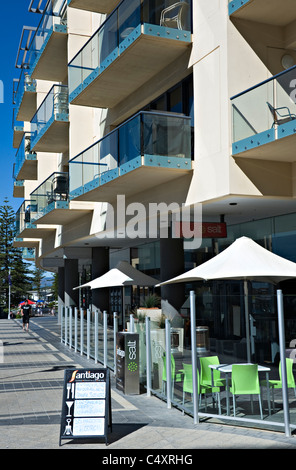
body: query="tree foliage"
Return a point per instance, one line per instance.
(11, 260)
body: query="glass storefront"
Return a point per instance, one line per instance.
(222, 330)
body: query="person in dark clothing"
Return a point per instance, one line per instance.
(26, 311)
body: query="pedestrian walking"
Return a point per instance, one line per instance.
(26, 311)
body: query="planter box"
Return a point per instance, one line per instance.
(153, 313)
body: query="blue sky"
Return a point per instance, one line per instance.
(14, 14)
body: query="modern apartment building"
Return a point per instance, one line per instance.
(123, 105)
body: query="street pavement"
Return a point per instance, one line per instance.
(31, 391)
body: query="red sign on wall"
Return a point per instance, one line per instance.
(201, 229)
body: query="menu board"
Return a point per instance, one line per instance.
(86, 407)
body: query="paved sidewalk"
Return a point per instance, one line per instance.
(31, 388)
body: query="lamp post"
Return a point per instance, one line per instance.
(9, 292)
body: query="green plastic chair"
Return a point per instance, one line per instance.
(176, 377)
(188, 385)
(206, 376)
(205, 372)
(276, 384)
(245, 381)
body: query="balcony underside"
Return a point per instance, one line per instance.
(281, 149)
(18, 134)
(51, 63)
(138, 62)
(27, 107)
(53, 138)
(18, 189)
(60, 213)
(33, 231)
(25, 243)
(275, 12)
(28, 170)
(135, 177)
(98, 6)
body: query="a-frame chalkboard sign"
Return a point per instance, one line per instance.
(86, 407)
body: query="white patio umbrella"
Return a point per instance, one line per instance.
(112, 278)
(245, 260)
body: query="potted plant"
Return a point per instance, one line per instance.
(151, 308)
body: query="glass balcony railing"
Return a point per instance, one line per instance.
(24, 84)
(53, 191)
(121, 28)
(265, 112)
(28, 253)
(234, 5)
(24, 216)
(23, 153)
(53, 18)
(53, 108)
(162, 139)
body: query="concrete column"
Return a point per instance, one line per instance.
(171, 265)
(61, 292)
(71, 278)
(100, 265)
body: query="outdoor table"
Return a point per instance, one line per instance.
(227, 369)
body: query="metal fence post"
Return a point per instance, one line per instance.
(115, 330)
(81, 331)
(87, 333)
(96, 335)
(132, 323)
(148, 356)
(62, 316)
(283, 362)
(168, 361)
(66, 326)
(193, 356)
(70, 326)
(105, 337)
(75, 328)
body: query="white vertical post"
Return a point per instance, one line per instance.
(283, 362)
(105, 337)
(148, 356)
(75, 328)
(70, 326)
(115, 330)
(96, 335)
(168, 361)
(88, 333)
(66, 325)
(193, 356)
(62, 315)
(132, 323)
(81, 331)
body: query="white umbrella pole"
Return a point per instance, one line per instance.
(247, 320)
(283, 362)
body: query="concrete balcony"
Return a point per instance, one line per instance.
(26, 243)
(273, 13)
(50, 124)
(269, 29)
(52, 202)
(264, 120)
(134, 44)
(18, 188)
(24, 96)
(148, 150)
(26, 160)
(97, 6)
(24, 222)
(47, 55)
(18, 134)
